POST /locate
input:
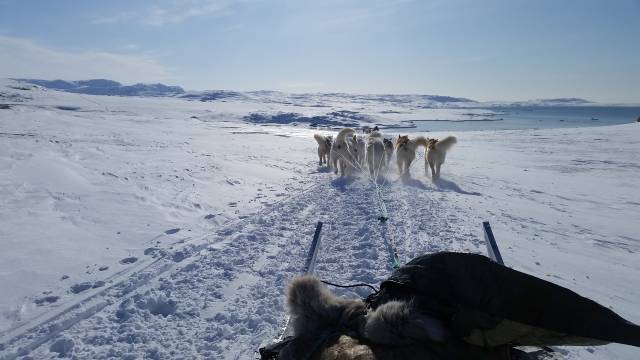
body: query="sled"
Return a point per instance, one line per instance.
(528, 352)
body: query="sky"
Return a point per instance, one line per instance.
(484, 50)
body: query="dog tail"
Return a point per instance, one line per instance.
(446, 143)
(312, 307)
(375, 134)
(344, 133)
(320, 139)
(422, 141)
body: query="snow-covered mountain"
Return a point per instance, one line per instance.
(110, 87)
(107, 87)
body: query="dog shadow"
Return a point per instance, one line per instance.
(407, 180)
(323, 170)
(448, 185)
(341, 183)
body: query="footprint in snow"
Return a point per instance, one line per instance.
(129, 260)
(46, 300)
(172, 231)
(154, 252)
(78, 288)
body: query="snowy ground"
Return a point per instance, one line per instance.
(95, 182)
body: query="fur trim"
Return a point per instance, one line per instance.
(398, 323)
(313, 307)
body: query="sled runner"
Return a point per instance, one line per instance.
(309, 267)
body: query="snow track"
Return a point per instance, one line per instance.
(224, 298)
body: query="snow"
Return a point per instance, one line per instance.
(161, 228)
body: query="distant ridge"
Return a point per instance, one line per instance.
(110, 87)
(107, 87)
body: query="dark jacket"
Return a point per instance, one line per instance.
(471, 292)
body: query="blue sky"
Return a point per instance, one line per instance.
(485, 50)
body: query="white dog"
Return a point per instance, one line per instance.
(361, 145)
(406, 151)
(343, 152)
(435, 153)
(375, 153)
(324, 146)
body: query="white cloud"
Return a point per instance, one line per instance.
(114, 19)
(26, 58)
(174, 12)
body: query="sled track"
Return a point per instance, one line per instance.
(27, 336)
(225, 298)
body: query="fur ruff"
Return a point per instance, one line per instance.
(313, 307)
(398, 323)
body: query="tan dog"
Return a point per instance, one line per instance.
(435, 154)
(324, 147)
(343, 152)
(406, 151)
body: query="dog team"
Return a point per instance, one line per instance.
(349, 152)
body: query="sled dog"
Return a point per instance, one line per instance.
(324, 146)
(406, 151)
(435, 154)
(343, 152)
(388, 150)
(375, 153)
(361, 145)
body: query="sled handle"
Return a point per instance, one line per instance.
(492, 246)
(313, 251)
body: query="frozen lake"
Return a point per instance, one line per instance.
(512, 118)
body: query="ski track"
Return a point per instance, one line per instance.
(226, 300)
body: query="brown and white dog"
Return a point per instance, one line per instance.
(324, 147)
(435, 154)
(343, 152)
(406, 151)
